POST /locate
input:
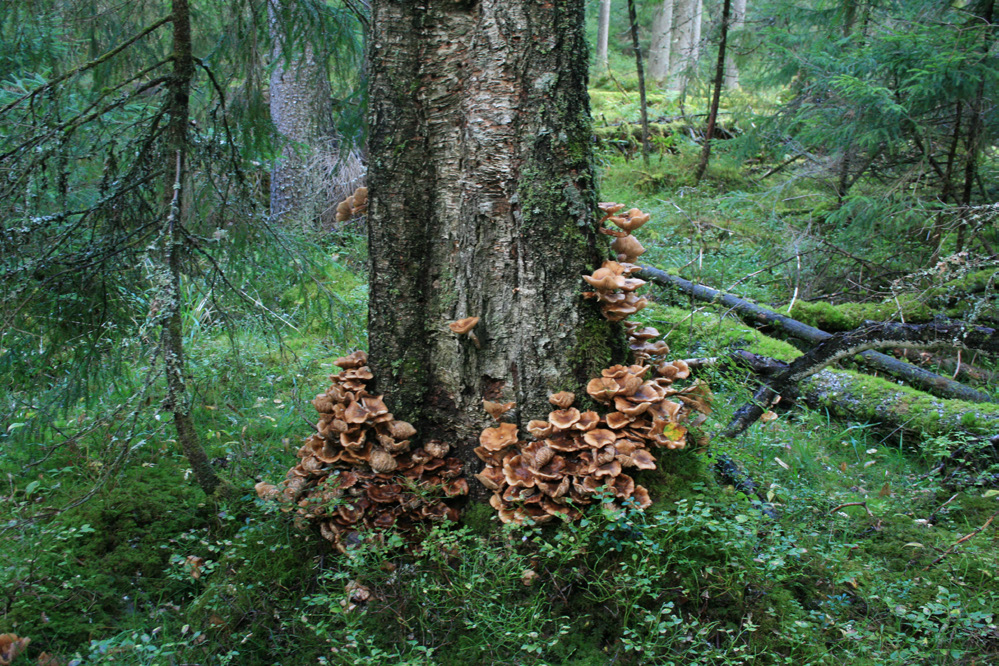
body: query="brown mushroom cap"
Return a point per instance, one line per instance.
(497, 409)
(266, 491)
(436, 448)
(617, 420)
(604, 280)
(631, 220)
(640, 459)
(587, 421)
(360, 196)
(463, 326)
(401, 430)
(602, 389)
(562, 399)
(384, 493)
(641, 497)
(566, 443)
(623, 486)
(355, 360)
(629, 247)
(625, 406)
(563, 419)
(600, 438)
(555, 488)
(518, 473)
(382, 461)
(491, 477)
(539, 429)
(494, 439)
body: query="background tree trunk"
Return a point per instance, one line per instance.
(173, 239)
(736, 23)
(643, 104)
(659, 51)
(684, 42)
(702, 166)
(302, 111)
(603, 33)
(482, 204)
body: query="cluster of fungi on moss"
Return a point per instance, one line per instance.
(355, 204)
(360, 469)
(11, 646)
(576, 456)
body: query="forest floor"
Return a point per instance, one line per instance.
(853, 547)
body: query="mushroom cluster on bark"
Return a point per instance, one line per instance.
(355, 204)
(360, 469)
(574, 456)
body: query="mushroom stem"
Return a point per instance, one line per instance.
(475, 340)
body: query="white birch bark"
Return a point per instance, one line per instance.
(737, 23)
(603, 33)
(659, 51)
(686, 29)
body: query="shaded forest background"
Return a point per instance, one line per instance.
(852, 177)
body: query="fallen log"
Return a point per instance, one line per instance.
(843, 345)
(759, 316)
(862, 398)
(844, 394)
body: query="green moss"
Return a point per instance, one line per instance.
(972, 282)
(848, 316)
(480, 518)
(693, 333)
(871, 398)
(599, 344)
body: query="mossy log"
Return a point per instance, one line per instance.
(762, 317)
(954, 298)
(844, 345)
(848, 316)
(864, 398)
(842, 393)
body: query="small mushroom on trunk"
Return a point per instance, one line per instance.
(464, 327)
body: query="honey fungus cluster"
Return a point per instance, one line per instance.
(361, 470)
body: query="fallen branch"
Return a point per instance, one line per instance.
(843, 345)
(759, 316)
(844, 394)
(962, 540)
(846, 504)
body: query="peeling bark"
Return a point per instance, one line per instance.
(685, 42)
(481, 204)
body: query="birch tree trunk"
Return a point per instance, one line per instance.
(736, 24)
(481, 205)
(603, 33)
(659, 51)
(695, 46)
(683, 47)
(302, 111)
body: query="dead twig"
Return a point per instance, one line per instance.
(846, 504)
(962, 540)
